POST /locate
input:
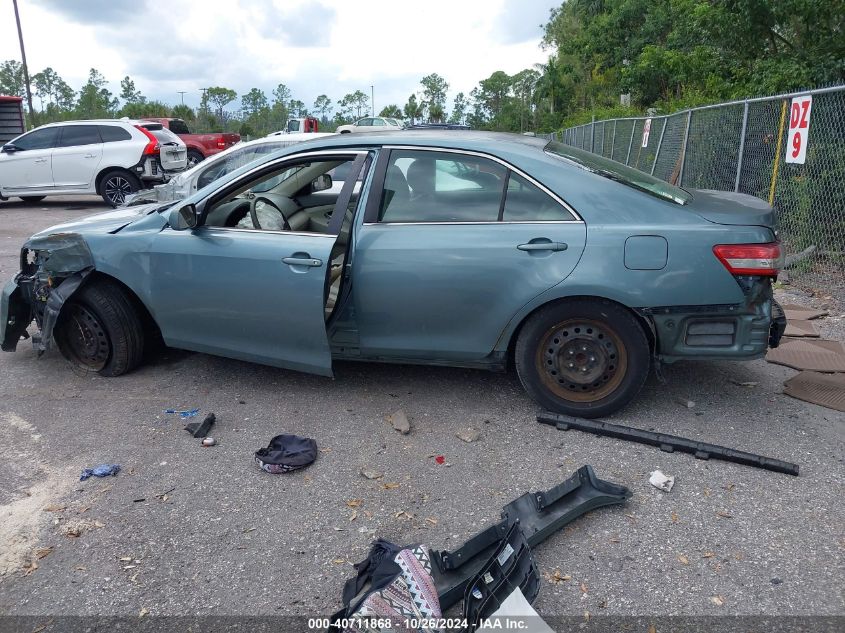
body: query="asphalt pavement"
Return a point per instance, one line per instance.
(187, 530)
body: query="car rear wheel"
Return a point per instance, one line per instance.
(585, 358)
(116, 185)
(194, 158)
(32, 199)
(99, 330)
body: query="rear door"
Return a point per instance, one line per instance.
(256, 295)
(77, 157)
(29, 168)
(457, 245)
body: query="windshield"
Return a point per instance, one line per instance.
(618, 172)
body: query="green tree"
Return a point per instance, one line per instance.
(220, 97)
(95, 100)
(281, 94)
(297, 108)
(183, 112)
(391, 111)
(253, 102)
(45, 85)
(459, 109)
(434, 93)
(360, 102)
(412, 109)
(128, 92)
(11, 79)
(322, 106)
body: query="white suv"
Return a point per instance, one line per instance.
(108, 157)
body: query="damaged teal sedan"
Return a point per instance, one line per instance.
(468, 249)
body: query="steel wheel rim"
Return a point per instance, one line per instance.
(192, 161)
(117, 188)
(85, 338)
(581, 360)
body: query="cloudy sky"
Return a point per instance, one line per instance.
(314, 46)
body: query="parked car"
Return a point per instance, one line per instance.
(187, 182)
(438, 126)
(108, 157)
(371, 124)
(200, 146)
(462, 248)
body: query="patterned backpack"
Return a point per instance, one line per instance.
(393, 584)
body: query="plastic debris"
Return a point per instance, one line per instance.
(189, 413)
(689, 404)
(661, 481)
(201, 429)
(103, 470)
(369, 473)
(209, 441)
(440, 459)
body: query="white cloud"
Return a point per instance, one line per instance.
(313, 46)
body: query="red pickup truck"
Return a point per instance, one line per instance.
(200, 146)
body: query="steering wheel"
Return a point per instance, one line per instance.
(254, 216)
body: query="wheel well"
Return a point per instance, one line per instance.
(107, 170)
(647, 327)
(146, 318)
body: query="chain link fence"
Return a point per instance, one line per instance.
(745, 146)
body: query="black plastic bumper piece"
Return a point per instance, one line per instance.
(668, 443)
(539, 514)
(778, 326)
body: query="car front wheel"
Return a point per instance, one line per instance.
(99, 330)
(585, 358)
(116, 185)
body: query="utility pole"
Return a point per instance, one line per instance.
(23, 58)
(182, 94)
(373, 99)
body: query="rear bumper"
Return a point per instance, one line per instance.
(729, 332)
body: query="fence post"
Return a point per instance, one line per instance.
(631, 142)
(659, 143)
(593, 134)
(613, 139)
(741, 146)
(684, 151)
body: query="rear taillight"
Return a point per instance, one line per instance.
(153, 145)
(751, 259)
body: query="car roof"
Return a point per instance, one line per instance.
(89, 122)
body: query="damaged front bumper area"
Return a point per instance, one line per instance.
(730, 332)
(52, 269)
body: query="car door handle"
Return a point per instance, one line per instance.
(302, 261)
(40, 160)
(90, 156)
(543, 246)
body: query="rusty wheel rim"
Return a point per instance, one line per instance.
(581, 360)
(85, 338)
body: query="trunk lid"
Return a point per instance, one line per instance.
(728, 207)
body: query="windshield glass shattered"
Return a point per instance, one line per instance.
(618, 172)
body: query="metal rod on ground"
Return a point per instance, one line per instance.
(741, 146)
(668, 443)
(777, 154)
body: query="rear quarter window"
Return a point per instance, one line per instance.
(113, 133)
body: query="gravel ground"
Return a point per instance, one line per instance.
(186, 530)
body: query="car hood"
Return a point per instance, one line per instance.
(728, 207)
(108, 222)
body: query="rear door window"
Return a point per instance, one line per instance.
(113, 133)
(424, 186)
(75, 135)
(39, 139)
